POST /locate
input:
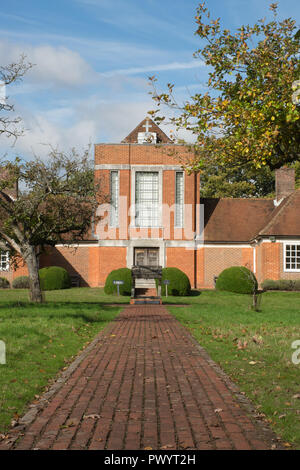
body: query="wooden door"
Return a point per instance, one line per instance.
(146, 257)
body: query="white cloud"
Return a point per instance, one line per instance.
(155, 68)
(58, 66)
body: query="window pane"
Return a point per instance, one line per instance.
(292, 257)
(146, 199)
(4, 261)
(114, 198)
(179, 199)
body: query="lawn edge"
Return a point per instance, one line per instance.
(56, 383)
(266, 432)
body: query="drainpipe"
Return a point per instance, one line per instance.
(195, 229)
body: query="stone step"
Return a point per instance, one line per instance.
(145, 283)
(145, 292)
(146, 300)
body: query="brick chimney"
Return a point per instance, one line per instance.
(285, 182)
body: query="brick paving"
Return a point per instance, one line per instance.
(142, 383)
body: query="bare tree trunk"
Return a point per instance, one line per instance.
(34, 280)
(254, 300)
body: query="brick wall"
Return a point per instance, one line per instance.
(183, 259)
(270, 261)
(74, 260)
(110, 258)
(136, 154)
(218, 259)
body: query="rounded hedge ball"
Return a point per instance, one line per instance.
(54, 278)
(238, 279)
(179, 282)
(122, 274)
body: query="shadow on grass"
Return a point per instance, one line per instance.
(90, 312)
(195, 293)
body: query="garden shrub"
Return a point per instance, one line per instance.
(4, 283)
(297, 285)
(54, 278)
(281, 284)
(285, 284)
(21, 282)
(238, 279)
(179, 282)
(121, 274)
(270, 284)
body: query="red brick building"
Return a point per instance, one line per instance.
(156, 218)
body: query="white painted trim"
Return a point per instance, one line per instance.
(140, 166)
(180, 244)
(76, 245)
(183, 190)
(281, 240)
(118, 193)
(150, 169)
(289, 242)
(216, 245)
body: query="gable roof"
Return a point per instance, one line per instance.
(132, 138)
(285, 219)
(235, 219)
(243, 220)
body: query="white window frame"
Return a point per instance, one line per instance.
(177, 207)
(134, 189)
(4, 255)
(285, 269)
(114, 212)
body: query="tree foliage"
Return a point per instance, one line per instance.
(45, 203)
(247, 118)
(9, 74)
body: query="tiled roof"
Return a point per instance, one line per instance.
(235, 220)
(285, 219)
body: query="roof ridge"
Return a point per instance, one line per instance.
(139, 125)
(286, 201)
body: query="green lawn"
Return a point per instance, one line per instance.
(42, 339)
(254, 348)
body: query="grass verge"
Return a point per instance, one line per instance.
(254, 349)
(42, 339)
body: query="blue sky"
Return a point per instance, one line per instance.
(93, 59)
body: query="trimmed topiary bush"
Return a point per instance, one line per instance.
(179, 282)
(4, 283)
(54, 278)
(122, 274)
(21, 282)
(238, 279)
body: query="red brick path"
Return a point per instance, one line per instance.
(143, 383)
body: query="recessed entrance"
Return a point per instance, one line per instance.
(146, 256)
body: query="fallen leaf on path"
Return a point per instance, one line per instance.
(91, 417)
(218, 410)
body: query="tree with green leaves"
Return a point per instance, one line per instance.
(44, 203)
(247, 119)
